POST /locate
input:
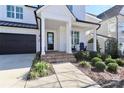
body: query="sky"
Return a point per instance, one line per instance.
(97, 9)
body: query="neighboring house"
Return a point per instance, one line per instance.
(112, 26)
(91, 18)
(29, 29)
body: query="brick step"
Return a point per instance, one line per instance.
(61, 60)
(59, 57)
(62, 56)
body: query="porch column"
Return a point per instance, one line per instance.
(68, 38)
(42, 35)
(94, 41)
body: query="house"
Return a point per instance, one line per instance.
(112, 26)
(29, 29)
(18, 29)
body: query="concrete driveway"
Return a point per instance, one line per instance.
(14, 68)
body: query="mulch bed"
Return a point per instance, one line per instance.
(105, 79)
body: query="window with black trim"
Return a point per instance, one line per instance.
(10, 11)
(14, 12)
(19, 12)
(75, 37)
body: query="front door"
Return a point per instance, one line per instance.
(50, 40)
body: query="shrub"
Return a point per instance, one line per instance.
(112, 67)
(96, 59)
(100, 66)
(85, 64)
(41, 68)
(93, 54)
(110, 60)
(105, 56)
(120, 62)
(82, 55)
(32, 75)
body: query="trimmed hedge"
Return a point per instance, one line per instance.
(105, 56)
(93, 54)
(110, 60)
(82, 55)
(85, 64)
(112, 67)
(120, 62)
(96, 59)
(100, 66)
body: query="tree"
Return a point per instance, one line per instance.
(111, 47)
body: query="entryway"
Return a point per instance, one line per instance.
(50, 41)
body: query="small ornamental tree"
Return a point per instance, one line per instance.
(111, 47)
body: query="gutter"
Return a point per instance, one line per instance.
(98, 26)
(87, 22)
(104, 36)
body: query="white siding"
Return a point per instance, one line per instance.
(28, 15)
(108, 28)
(62, 39)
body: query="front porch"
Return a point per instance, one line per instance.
(59, 37)
(61, 32)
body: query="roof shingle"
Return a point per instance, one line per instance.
(17, 24)
(114, 11)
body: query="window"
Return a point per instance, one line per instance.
(112, 27)
(121, 27)
(19, 13)
(75, 37)
(14, 12)
(10, 11)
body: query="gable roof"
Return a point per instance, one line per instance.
(78, 20)
(114, 11)
(47, 5)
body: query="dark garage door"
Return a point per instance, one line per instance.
(17, 43)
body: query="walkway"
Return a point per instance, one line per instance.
(67, 76)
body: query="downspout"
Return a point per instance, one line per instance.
(40, 34)
(117, 32)
(39, 28)
(96, 33)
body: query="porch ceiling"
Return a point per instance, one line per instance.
(53, 24)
